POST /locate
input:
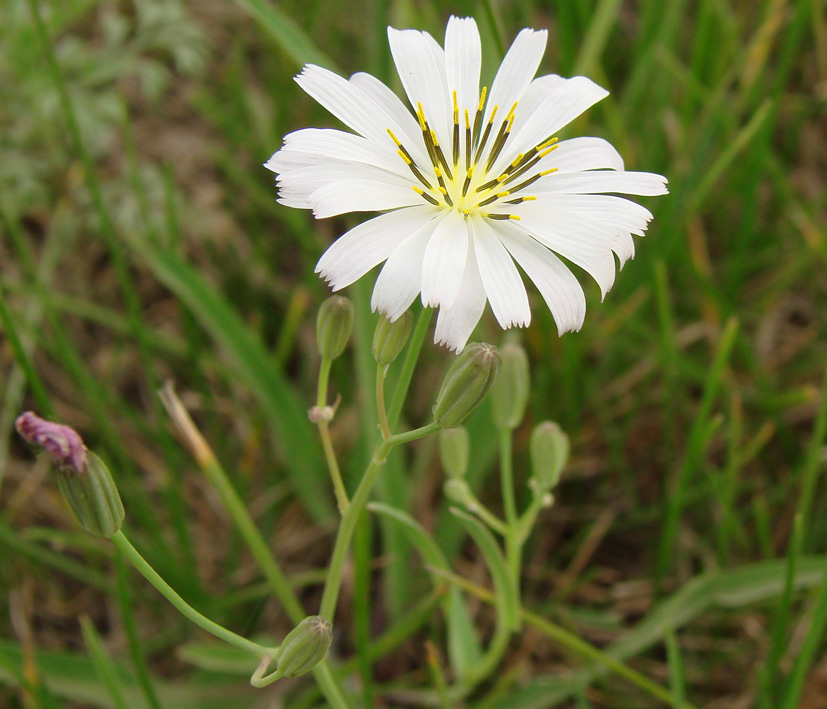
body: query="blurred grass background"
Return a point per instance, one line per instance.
(140, 241)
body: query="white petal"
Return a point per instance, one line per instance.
(616, 213)
(357, 251)
(601, 181)
(349, 104)
(579, 154)
(559, 108)
(624, 247)
(584, 241)
(400, 280)
(556, 283)
(463, 57)
(420, 62)
(346, 196)
(499, 275)
(320, 145)
(516, 71)
(534, 95)
(454, 325)
(410, 136)
(444, 261)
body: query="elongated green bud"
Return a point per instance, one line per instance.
(334, 324)
(304, 647)
(82, 477)
(453, 451)
(467, 382)
(390, 338)
(549, 447)
(509, 395)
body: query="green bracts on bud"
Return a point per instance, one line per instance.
(453, 451)
(390, 338)
(549, 447)
(509, 395)
(334, 324)
(304, 647)
(93, 497)
(467, 382)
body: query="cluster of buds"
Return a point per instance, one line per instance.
(82, 477)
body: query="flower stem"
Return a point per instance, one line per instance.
(339, 490)
(138, 561)
(381, 371)
(411, 357)
(513, 536)
(350, 517)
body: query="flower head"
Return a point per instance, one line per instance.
(469, 182)
(63, 443)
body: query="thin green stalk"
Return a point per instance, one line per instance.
(228, 636)
(408, 365)
(339, 490)
(348, 523)
(381, 412)
(569, 641)
(513, 541)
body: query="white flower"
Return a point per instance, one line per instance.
(470, 183)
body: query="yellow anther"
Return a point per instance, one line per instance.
(500, 195)
(493, 113)
(395, 139)
(548, 150)
(404, 157)
(503, 177)
(482, 98)
(466, 212)
(529, 198)
(548, 172)
(510, 115)
(514, 217)
(437, 172)
(550, 141)
(456, 109)
(517, 160)
(417, 190)
(433, 137)
(467, 121)
(442, 189)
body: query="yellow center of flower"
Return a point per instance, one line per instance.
(466, 185)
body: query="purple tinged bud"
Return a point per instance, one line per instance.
(62, 442)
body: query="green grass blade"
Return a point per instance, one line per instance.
(104, 665)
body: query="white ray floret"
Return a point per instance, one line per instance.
(471, 184)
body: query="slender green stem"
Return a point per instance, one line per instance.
(568, 640)
(474, 506)
(138, 561)
(381, 371)
(351, 516)
(339, 489)
(513, 537)
(408, 365)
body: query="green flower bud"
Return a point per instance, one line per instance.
(549, 447)
(93, 497)
(82, 477)
(453, 451)
(334, 324)
(509, 395)
(304, 647)
(390, 337)
(467, 382)
(457, 490)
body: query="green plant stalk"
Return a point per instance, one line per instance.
(131, 553)
(347, 526)
(408, 365)
(104, 666)
(381, 411)
(339, 490)
(569, 641)
(513, 537)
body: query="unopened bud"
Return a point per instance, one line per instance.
(467, 382)
(509, 395)
(334, 324)
(549, 447)
(453, 451)
(457, 490)
(82, 477)
(304, 647)
(390, 338)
